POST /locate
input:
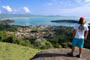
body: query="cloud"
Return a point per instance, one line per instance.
(82, 10)
(7, 8)
(0, 12)
(78, 1)
(49, 4)
(26, 9)
(15, 11)
(83, 1)
(59, 3)
(78, 11)
(86, 0)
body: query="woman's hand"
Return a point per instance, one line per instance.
(85, 38)
(86, 34)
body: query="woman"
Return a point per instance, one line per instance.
(80, 33)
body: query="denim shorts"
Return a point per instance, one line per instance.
(78, 42)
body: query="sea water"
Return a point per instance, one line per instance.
(42, 20)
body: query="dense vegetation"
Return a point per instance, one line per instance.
(5, 25)
(62, 39)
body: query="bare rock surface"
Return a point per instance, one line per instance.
(61, 54)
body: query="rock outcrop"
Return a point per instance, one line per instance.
(61, 54)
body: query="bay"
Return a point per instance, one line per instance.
(45, 20)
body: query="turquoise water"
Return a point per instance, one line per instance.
(36, 21)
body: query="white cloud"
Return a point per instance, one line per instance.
(0, 12)
(83, 10)
(78, 1)
(50, 4)
(26, 9)
(86, 0)
(17, 10)
(14, 11)
(7, 8)
(86, 5)
(78, 11)
(59, 3)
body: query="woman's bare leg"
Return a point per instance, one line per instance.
(73, 48)
(80, 50)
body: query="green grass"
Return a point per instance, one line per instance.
(16, 52)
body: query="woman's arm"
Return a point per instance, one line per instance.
(73, 33)
(86, 34)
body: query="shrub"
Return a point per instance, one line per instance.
(3, 35)
(57, 45)
(42, 44)
(12, 28)
(14, 39)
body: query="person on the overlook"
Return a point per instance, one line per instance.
(80, 33)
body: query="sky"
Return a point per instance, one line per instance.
(46, 7)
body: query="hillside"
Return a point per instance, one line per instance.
(61, 54)
(16, 52)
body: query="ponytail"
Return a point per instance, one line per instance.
(81, 27)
